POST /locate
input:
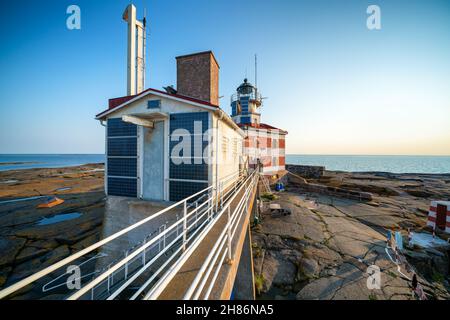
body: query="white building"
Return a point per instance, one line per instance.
(163, 145)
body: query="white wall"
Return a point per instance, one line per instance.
(168, 106)
(229, 150)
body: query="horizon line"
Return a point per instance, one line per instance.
(288, 154)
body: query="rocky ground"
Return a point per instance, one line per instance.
(323, 249)
(26, 246)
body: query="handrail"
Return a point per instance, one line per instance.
(215, 251)
(162, 283)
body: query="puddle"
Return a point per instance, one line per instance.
(63, 189)
(22, 199)
(9, 181)
(59, 218)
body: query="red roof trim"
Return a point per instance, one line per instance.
(115, 102)
(260, 126)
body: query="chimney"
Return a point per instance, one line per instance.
(136, 53)
(198, 76)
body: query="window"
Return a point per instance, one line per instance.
(153, 104)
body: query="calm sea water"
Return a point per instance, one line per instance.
(28, 161)
(395, 164)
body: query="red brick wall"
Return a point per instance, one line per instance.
(198, 77)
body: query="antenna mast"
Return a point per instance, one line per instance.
(256, 71)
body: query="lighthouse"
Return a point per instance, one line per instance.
(264, 144)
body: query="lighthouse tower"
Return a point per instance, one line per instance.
(245, 104)
(264, 144)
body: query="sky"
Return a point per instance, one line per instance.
(334, 85)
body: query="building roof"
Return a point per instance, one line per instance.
(263, 126)
(120, 102)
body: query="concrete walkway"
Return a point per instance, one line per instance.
(178, 286)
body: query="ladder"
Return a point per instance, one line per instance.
(266, 184)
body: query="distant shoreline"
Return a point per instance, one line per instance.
(379, 173)
(17, 162)
(55, 167)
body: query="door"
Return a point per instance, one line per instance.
(441, 216)
(153, 162)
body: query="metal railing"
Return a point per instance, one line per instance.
(158, 254)
(246, 186)
(253, 96)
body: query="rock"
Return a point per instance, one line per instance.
(48, 244)
(322, 254)
(259, 239)
(29, 253)
(9, 248)
(68, 232)
(308, 269)
(34, 265)
(275, 242)
(86, 242)
(293, 256)
(4, 272)
(320, 289)
(419, 193)
(277, 271)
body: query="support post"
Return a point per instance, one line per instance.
(230, 258)
(184, 225)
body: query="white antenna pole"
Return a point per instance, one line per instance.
(130, 17)
(256, 71)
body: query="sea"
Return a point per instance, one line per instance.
(361, 163)
(353, 163)
(30, 161)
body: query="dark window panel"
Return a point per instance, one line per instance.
(123, 167)
(189, 171)
(125, 187)
(183, 189)
(117, 127)
(122, 147)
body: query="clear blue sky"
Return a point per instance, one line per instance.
(337, 87)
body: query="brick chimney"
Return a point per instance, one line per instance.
(198, 76)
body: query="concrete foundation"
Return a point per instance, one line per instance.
(121, 212)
